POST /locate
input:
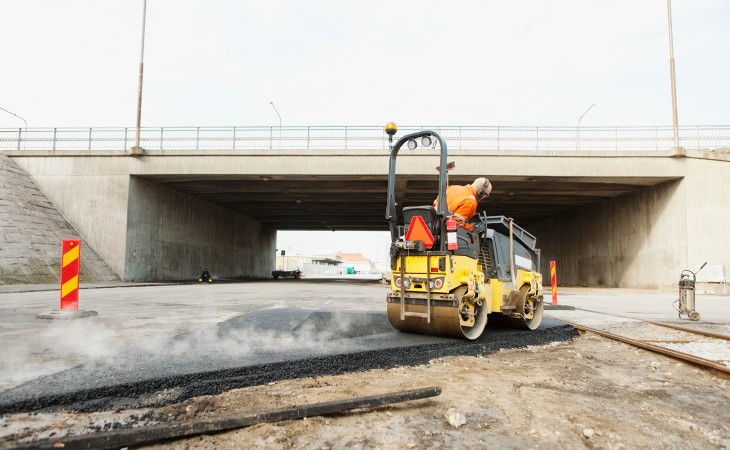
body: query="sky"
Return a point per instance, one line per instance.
(75, 63)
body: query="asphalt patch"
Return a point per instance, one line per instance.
(258, 348)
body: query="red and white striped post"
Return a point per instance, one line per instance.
(554, 282)
(70, 274)
(70, 259)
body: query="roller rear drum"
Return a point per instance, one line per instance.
(461, 318)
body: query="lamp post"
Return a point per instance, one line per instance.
(577, 144)
(277, 113)
(10, 112)
(675, 121)
(137, 150)
(26, 125)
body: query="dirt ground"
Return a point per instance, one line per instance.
(587, 393)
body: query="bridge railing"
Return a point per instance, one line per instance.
(362, 138)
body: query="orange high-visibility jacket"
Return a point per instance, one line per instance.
(462, 201)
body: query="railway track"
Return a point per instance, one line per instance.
(706, 349)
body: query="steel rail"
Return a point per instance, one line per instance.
(665, 324)
(691, 330)
(716, 367)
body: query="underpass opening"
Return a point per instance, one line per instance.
(357, 203)
(576, 219)
(362, 255)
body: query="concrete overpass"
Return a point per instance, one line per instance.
(610, 218)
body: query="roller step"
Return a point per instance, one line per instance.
(416, 314)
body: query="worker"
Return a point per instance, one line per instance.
(463, 200)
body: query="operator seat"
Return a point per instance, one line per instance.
(468, 242)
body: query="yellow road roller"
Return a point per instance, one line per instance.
(448, 281)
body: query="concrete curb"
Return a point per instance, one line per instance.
(551, 307)
(66, 314)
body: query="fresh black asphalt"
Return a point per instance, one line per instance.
(255, 349)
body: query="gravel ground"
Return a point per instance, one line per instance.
(705, 347)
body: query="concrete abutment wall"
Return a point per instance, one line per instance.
(31, 233)
(644, 239)
(173, 236)
(630, 241)
(143, 231)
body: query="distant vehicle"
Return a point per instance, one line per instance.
(296, 274)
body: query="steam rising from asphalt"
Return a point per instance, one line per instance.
(66, 344)
(245, 342)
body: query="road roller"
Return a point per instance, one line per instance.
(448, 281)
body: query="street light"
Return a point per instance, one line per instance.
(577, 144)
(26, 125)
(10, 112)
(675, 121)
(137, 150)
(277, 113)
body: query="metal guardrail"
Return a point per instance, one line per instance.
(362, 138)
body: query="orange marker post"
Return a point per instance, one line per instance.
(554, 282)
(70, 274)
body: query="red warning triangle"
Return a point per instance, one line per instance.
(418, 231)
